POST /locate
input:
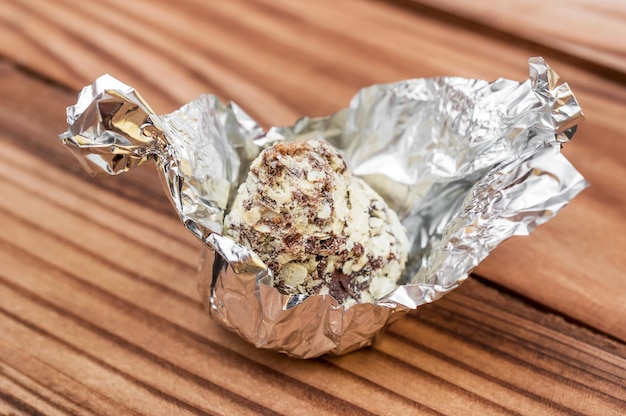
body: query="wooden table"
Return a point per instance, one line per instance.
(99, 312)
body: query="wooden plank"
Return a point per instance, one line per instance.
(323, 54)
(584, 29)
(117, 332)
(41, 387)
(99, 311)
(113, 328)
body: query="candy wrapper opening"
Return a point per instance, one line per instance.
(464, 164)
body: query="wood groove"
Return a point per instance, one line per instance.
(112, 265)
(477, 326)
(417, 6)
(548, 310)
(475, 370)
(568, 389)
(143, 312)
(457, 395)
(287, 18)
(18, 404)
(99, 312)
(132, 238)
(78, 351)
(135, 349)
(123, 343)
(39, 75)
(91, 46)
(33, 73)
(470, 304)
(131, 190)
(494, 333)
(52, 403)
(133, 310)
(194, 73)
(332, 361)
(236, 63)
(487, 404)
(40, 376)
(463, 302)
(87, 196)
(63, 409)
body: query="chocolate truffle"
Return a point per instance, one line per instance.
(318, 228)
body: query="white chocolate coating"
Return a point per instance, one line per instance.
(318, 228)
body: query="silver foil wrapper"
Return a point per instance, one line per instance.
(465, 164)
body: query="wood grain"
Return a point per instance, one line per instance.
(99, 312)
(581, 29)
(287, 63)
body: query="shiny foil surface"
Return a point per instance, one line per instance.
(465, 164)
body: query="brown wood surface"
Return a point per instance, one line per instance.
(585, 30)
(99, 312)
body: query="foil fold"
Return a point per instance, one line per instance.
(465, 164)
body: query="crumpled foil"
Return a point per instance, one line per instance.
(465, 164)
